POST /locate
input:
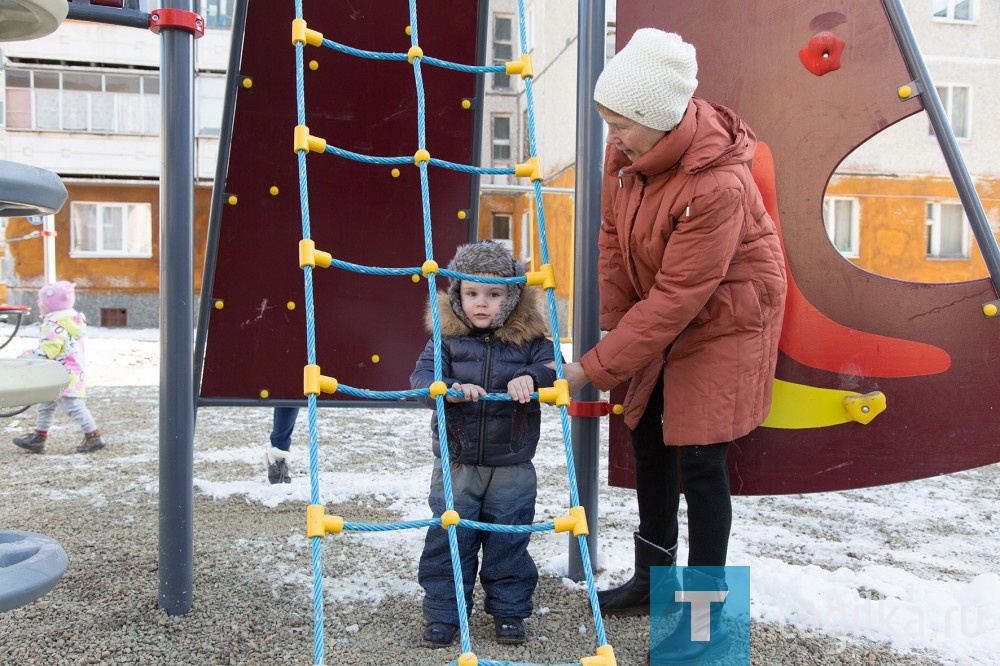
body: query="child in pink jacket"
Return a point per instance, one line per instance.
(60, 339)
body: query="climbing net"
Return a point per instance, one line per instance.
(318, 523)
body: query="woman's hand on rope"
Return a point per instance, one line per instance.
(574, 375)
(469, 392)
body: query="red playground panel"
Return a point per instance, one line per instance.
(369, 329)
(927, 348)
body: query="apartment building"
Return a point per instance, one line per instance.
(84, 102)
(891, 206)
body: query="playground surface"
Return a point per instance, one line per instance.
(864, 576)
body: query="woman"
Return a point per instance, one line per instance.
(692, 289)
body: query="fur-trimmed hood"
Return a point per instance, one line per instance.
(527, 322)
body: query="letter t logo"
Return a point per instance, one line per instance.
(701, 606)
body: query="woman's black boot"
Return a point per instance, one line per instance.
(632, 597)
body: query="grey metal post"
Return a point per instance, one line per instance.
(176, 316)
(587, 213)
(946, 138)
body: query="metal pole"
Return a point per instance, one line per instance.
(946, 138)
(49, 247)
(176, 317)
(587, 213)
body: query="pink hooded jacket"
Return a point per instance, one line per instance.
(692, 281)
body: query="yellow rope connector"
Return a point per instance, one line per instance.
(318, 524)
(531, 169)
(421, 156)
(310, 256)
(546, 277)
(430, 266)
(313, 383)
(467, 659)
(302, 34)
(438, 388)
(449, 518)
(576, 521)
(414, 52)
(305, 141)
(520, 66)
(605, 657)
(557, 393)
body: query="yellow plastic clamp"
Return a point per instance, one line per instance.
(318, 524)
(314, 383)
(468, 659)
(302, 34)
(531, 169)
(310, 256)
(421, 155)
(449, 518)
(557, 393)
(438, 388)
(307, 142)
(520, 66)
(545, 276)
(576, 521)
(605, 657)
(414, 52)
(430, 266)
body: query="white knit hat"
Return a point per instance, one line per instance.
(651, 80)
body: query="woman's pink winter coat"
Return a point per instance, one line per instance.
(691, 279)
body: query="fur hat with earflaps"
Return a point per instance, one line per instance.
(651, 80)
(490, 258)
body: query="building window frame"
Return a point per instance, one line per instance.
(502, 145)
(842, 221)
(957, 102)
(955, 11)
(941, 234)
(502, 229)
(503, 49)
(111, 229)
(95, 101)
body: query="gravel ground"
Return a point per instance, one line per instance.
(252, 592)
(252, 587)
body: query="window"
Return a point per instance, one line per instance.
(211, 96)
(217, 13)
(954, 10)
(503, 49)
(957, 103)
(947, 231)
(111, 229)
(501, 232)
(501, 140)
(840, 217)
(609, 43)
(83, 101)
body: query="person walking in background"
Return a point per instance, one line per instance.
(692, 289)
(278, 455)
(493, 340)
(61, 338)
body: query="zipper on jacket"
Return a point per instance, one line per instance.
(483, 403)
